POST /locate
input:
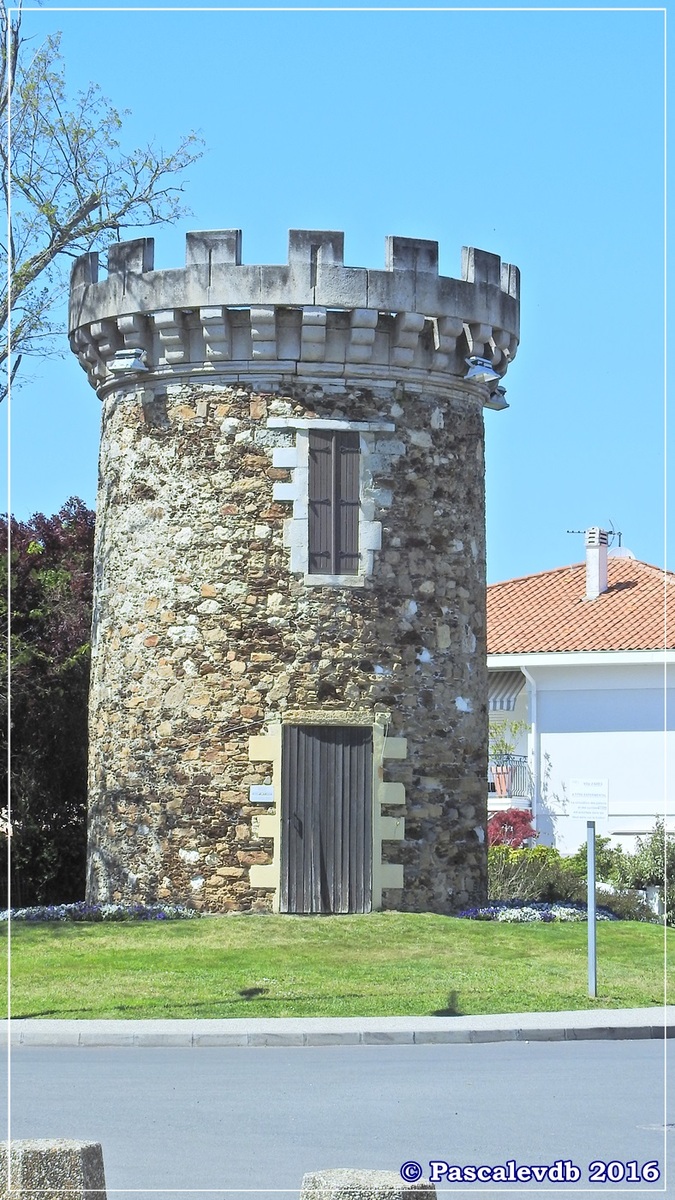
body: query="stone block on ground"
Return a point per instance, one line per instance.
(346, 1183)
(51, 1169)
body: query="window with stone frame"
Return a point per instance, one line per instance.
(333, 510)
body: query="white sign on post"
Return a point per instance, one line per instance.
(588, 799)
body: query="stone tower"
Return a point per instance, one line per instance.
(288, 696)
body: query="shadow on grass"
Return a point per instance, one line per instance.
(451, 1009)
(234, 1007)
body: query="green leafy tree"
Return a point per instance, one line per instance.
(51, 588)
(68, 185)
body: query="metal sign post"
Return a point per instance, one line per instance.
(590, 906)
(589, 798)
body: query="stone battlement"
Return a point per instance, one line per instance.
(312, 319)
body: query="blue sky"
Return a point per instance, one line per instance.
(534, 134)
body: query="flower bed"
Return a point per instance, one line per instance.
(534, 910)
(81, 911)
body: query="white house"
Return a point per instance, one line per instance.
(584, 656)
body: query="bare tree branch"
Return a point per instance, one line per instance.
(10, 53)
(67, 184)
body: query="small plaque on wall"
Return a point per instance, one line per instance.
(261, 793)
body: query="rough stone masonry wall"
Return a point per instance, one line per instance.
(203, 636)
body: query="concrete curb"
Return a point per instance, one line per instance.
(615, 1024)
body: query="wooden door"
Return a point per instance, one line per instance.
(326, 819)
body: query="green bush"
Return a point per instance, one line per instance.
(627, 904)
(652, 865)
(542, 873)
(608, 860)
(655, 854)
(539, 873)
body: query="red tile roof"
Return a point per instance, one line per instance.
(547, 611)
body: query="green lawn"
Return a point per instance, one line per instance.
(380, 964)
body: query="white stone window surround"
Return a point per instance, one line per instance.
(296, 459)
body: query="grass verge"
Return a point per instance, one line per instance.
(379, 964)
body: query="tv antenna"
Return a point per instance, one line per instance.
(611, 533)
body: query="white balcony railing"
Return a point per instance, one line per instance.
(510, 779)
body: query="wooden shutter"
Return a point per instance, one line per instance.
(347, 516)
(333, 524)
(320, 502)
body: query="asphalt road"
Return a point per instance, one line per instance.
(241, 1123)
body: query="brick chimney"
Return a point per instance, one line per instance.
(596, 562)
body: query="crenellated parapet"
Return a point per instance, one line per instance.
(312, 320)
